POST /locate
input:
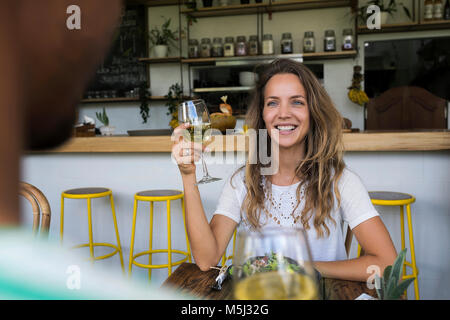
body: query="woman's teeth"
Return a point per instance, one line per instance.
(285, 128)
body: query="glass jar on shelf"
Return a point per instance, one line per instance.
(329, 42)
(228, 48)
(241, 46)
(253, 46)
(205, 48)
(193, 48)
(267, 44)
(347, 39)
(286, 43)
(309, 43)
(217, 48)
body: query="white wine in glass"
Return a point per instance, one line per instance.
(274, 264)
(195, 113)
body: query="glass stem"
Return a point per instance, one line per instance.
(205, 169)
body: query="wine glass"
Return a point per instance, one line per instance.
(274, 264)
(196, 114)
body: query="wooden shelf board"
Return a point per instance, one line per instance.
(307, 4)
(305, 56)
(265, 7)
(154, 3)
(221, 89)
(407, 26)
(230, 10)
(121, 99)
(329, 55)
(161, 60)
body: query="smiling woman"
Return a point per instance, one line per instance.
(312, 188)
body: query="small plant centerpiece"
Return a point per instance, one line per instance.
(387, 7)
(106, 129)
(162, 39)
(390, 287)
(174, 98)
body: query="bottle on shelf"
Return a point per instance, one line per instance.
(329, 41)
(228, 48)
(286, 43)
(447, 10)
(438, 10)
(309, 45)
(267, 44)
(428, 10)
(253, 46)
(347, 39)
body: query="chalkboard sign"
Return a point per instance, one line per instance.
(121, 73)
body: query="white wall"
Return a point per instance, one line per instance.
(426, 175)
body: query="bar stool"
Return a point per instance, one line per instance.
(88, 194)
(385, 198)
(155, 196)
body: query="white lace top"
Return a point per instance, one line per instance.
(355, 208)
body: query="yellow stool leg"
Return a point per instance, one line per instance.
(188, 246)
(91, 243)
(402, 233)
(151, 241)
(133, 228)
(169, 237)
(61, 230)
(413, 255)
(117, 231)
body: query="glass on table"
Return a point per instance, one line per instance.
(274, 264)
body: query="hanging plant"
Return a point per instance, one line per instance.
(143, 98)
(355, 93)
(174, 98)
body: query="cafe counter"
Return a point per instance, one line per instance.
(360, 141)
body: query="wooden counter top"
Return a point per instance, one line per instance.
(364, 141)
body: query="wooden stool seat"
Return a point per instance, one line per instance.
(86, 191)
(389, 196)
(159, 193)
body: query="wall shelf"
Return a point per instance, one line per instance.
(221, 89)
(122, 99)
(161, 60)
(406, 27)
(242, 60)
(154, 3)
(269, 7)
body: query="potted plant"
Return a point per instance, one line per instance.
(174, 98)
(391, 288)
(387, 7)
(106, 129)
(162, 38)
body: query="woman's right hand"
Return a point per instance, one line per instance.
(185, 152)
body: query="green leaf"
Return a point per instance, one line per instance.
(380, 290)
(387, 272)
(398, 291)
(407, 12)
(398, 264)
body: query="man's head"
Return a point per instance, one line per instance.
(56, 62)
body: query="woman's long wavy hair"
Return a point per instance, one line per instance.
(322, 166)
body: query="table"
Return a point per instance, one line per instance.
(189, 279)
